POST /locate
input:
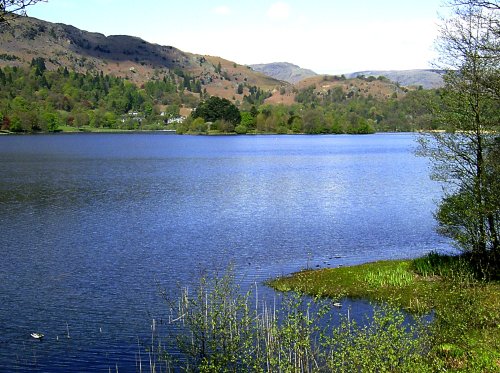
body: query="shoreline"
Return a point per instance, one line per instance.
(174, 132)
(465, 320)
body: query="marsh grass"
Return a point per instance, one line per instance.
(398, 277)
(468, 267)
(462, 295)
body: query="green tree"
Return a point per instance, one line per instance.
(313, 121)
(469, 212)
(241, 129)
(216, 108)
(39, 64)
(198, 125)
(2, 77)
(296, 124)
(82, 119)
(254, 112)
(247, 120)
(51, 121)
(172, 111)
(218, 68)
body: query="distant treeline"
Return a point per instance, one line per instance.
(35, 99)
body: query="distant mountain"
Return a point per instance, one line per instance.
(284, 71)
(293, 74)
(425, 78)
(125, 56)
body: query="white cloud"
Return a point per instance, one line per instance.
(279, 10)
(222, 10)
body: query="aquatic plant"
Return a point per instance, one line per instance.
(221, 329)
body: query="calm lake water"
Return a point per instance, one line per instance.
(90, 224)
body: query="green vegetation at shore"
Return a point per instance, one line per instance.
(464, 302)
(435, 313)
(219, 329)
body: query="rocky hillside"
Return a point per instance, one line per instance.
(139, 61)
(125, 56)
(284, 71)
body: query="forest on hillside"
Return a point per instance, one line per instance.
(34, 99)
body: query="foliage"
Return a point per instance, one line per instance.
(223, 330)
(36, 99)
(198, 125)
(256, 96)
(385, 343)
(216, 108)
(82, 101)
(336, 112)
(463, 299)
(247, 120)
(94, 101)
(466, 159)
(241, 129)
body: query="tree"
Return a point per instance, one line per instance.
(51, 121)
(216, 108)
(247, 120)
(39, 64)
(12, 8)
(198, 126)
(465, 159)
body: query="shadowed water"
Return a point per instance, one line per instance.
(90, 224)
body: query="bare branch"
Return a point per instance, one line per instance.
(493, 5)
(14, 8)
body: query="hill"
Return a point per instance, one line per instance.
(428, 79)
(138, 61)
(55, 76)
(380, 88)
(123, 56)
(334, 87)
(284, 71)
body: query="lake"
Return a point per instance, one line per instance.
(92, 223)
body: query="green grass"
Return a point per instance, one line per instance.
(464, 304)
(386, 281)
(67, 129)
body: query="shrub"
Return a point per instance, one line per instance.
(223, 329)
(241, 129)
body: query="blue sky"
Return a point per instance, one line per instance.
(327, 36)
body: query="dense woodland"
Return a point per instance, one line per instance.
(35, 99)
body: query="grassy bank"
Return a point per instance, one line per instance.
(465, 303)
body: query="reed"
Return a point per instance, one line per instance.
(399, 277)
(225, 330)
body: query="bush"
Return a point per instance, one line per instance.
(198, 125)
(241, 129)
(222, 330)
